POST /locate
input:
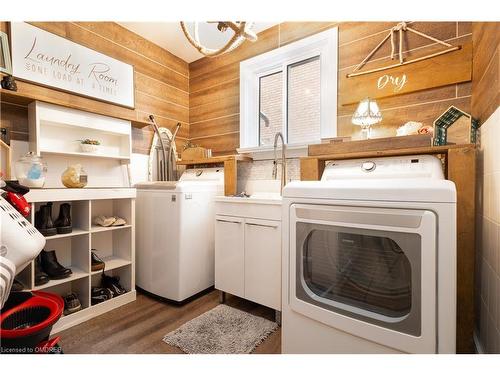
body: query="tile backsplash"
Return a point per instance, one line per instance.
(487, 290)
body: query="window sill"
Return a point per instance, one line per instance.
(267, 152)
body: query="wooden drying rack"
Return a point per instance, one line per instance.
(459, 167)
(400, 29)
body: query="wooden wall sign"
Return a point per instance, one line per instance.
(50, 60)
(442, 70)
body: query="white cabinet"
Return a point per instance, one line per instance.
(230, 255)
(248, 251)
(263, 262)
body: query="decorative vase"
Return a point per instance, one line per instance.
(74, 177)
(31, 170)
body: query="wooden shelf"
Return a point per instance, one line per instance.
(215, 160)
(28, 93)
(85, 155)
(356, 154)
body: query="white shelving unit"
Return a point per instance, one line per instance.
(115, 245)
(54, 132)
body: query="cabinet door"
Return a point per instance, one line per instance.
(263, 262)
(229, 255)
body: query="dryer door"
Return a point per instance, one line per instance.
(367, 271)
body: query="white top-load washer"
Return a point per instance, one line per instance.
(175, 233)
(369, 259)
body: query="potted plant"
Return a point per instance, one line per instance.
(89, 145)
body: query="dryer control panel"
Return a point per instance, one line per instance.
(415, 166)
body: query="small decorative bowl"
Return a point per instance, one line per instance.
(85, 147)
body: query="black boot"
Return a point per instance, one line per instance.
(41, 277)
(43, 220)
(63, 222)
(52, 267)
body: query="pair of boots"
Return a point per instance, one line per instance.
(47, 227)
(48, 268)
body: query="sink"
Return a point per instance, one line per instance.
(264, 201)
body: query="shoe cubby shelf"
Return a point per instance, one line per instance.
(114, 245)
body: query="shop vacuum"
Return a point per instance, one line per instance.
(26, 318)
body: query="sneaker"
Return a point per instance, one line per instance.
(113, 284)
(71, 304)
(118, 222)
(104, 221)
(99, 295)
(97, 263)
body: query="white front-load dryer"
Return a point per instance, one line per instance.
(369, 259)
(175, 234)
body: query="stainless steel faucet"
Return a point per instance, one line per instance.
(283, 160)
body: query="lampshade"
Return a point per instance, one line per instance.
(367, 113)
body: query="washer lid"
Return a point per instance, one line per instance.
(400, 190)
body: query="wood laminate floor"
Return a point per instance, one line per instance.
(139, 326)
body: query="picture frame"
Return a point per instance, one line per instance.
(5, 61)
(455, 126)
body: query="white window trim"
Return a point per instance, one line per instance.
(325, 45)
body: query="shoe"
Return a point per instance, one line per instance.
(43, 220)
(41, 277)
(97, 263)
(113, 284)
(71, 304)
(99, 295)
(63, 221)
(52, 267)
(104, 221)
(17, 286)
(118, 222)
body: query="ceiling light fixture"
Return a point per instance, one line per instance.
(242, 31)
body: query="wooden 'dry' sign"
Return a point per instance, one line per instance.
(441, 70)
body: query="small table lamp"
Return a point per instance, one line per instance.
(366, 115)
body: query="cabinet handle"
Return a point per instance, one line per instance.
(263, 225)
(228, 221)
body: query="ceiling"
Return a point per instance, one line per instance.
(169, 36)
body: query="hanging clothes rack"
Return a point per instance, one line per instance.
(400, 29)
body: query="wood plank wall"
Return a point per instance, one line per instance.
(214, 83)
(485, 69)
(161, 80)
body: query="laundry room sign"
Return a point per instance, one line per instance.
(50, 60)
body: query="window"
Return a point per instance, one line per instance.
(292, 90)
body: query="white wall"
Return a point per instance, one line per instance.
(488, 238)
